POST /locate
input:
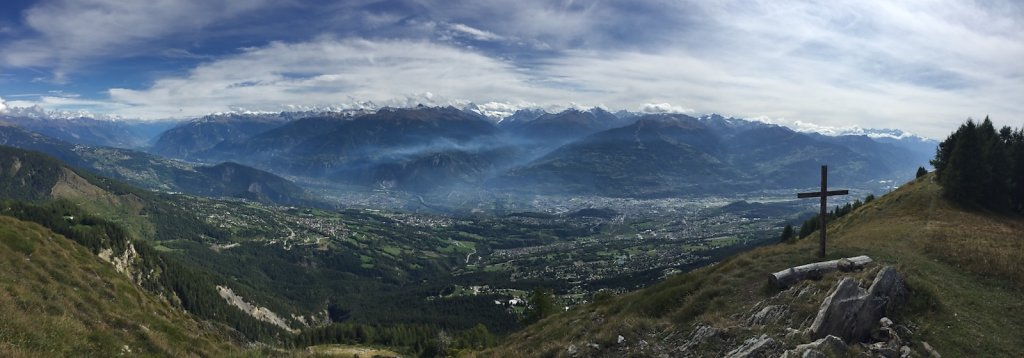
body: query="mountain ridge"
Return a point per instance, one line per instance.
(392, 147)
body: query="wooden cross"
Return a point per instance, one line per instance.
(822, 217)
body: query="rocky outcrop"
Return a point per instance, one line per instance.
(770, 314)
(762, 346)
(830, 346)
(850, 312)
(123, 261)
(260, 313)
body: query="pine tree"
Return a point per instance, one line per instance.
(540, 305)
(963, 170)
(921, 171)
(1015, 145)
(787, 234)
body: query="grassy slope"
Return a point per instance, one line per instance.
(964, 268)
(57, 299)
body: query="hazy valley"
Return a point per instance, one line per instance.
(576, 178)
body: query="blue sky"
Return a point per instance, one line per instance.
(922, 66)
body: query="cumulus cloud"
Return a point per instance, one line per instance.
(655, 108)
(331, 71)
(3, 105)
(923, 66)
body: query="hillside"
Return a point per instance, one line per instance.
(963, 269)
(58, 299)
(158, 173)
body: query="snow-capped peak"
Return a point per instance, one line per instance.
(806, 127)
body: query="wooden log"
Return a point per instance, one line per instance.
(787, 277)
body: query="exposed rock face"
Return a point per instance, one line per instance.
(260, 313)
(830, 345)
(700, 335)
(850, 311)
(122, 262)
(768, 315)
(762, 346)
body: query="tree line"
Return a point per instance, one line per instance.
(980, 166)
(811, 225)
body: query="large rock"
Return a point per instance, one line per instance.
(851, 311)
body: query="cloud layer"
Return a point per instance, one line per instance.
(921, 66)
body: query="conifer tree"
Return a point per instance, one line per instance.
(787, 233)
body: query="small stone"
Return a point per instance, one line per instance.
(905, 352)
(882, 349)
(881, 335)
(572, 350)
(885, 322)
(620, 340)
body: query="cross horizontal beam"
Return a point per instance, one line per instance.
(817, 194)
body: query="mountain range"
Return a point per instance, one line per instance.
(593, 152)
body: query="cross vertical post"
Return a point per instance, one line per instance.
(823, 213)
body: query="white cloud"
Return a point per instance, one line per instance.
(663, 108)
(3, 105)
(72, 31)
(921, 66)
(475, 33)
(331, 71)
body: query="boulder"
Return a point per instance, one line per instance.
(851, 311)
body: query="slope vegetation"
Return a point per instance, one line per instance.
(58, 299)
(964, 270)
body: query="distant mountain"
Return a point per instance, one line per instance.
(204, 133)
(425, 149)
(153, 172)
(675, 154)
(411, 149)
(92, 132)
(554, 129)
(655, 156)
